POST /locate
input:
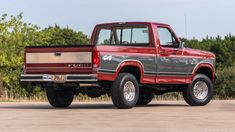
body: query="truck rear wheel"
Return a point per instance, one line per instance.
(200, 92)
(125, 91)
(145, 96)
(60, 98)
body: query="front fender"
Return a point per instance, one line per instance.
(204, 65)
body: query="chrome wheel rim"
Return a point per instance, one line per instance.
(200, 90)
(129, 91)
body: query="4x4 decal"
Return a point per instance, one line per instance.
(107, 58)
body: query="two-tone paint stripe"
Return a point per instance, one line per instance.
(150, 73)
(105, 71)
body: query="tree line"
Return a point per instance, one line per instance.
(224, 48)
(15, 34)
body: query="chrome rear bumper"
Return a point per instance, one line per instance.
(58, 78)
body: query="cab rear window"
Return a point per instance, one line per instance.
(123, 35)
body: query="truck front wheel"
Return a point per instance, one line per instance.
(200, 92)
(125, 91)
(60, 98)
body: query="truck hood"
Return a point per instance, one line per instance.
(199, 53)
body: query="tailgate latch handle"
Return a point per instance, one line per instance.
(57, 53)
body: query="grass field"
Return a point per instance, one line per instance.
(82, 98)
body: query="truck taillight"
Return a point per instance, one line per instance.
(96, 59)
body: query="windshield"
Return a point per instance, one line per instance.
(123, 35)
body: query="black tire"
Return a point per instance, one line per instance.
(60, 98)
(145, 96)
(117, 91)
(190, 97)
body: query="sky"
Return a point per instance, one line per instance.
(188, 18)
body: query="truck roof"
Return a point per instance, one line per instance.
(117, 23)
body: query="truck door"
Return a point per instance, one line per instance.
(170, 60)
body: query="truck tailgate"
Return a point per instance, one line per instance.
(58, 60)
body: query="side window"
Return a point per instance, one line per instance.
(140, 35)
(126, 35)
(104, 37)
(116, 36)
(166, 38)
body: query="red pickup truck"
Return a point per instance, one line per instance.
(129, 61)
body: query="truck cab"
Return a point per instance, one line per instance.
(130, 61)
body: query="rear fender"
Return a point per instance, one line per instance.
(135, 63)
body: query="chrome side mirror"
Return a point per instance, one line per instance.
(182, 45)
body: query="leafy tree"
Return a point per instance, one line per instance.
(64, 36)
(14, 36)
(225, 83)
